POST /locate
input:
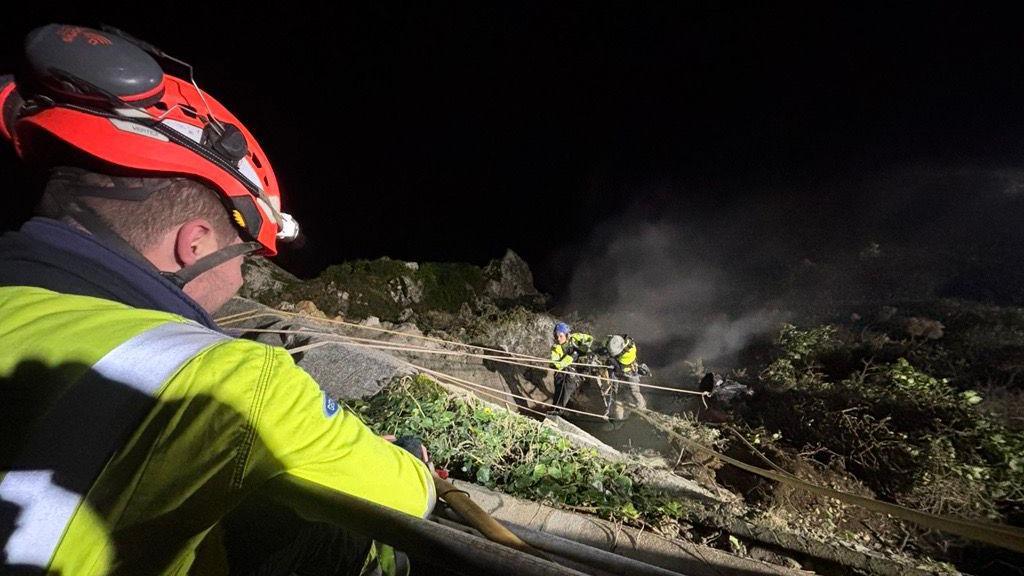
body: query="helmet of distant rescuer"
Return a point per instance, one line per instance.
(615, 345)
(103, 96)
(561, 328)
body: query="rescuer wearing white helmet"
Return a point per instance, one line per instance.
(622, 364)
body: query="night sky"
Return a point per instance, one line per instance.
(449, 134)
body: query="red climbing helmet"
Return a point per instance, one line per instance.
(103, 94)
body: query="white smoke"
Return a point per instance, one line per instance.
(701, 284)
(659, 283)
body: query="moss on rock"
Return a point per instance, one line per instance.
(393, 290)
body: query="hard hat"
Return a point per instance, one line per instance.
(103, 96)
(616, 345)
(562, 328)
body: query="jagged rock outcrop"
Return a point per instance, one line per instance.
(434, 295)
(509, 278)
(264, 280)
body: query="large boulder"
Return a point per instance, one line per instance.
(343, 370)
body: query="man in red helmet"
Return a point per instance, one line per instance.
(131, 425)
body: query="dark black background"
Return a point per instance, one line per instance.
(449, 133)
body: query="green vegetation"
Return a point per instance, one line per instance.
(516, 455)
(385, 288)
(448, 286)
(981, 345)
(908, 435)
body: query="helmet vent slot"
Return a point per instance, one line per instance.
(256, 161)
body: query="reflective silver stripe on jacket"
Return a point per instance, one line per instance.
(70, 445)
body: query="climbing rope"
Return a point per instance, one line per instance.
(383, 343)
(460, 382)
(249, 315)
(390, 346)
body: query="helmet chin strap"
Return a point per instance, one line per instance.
(98, 227)
(190, 272)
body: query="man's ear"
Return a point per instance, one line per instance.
(195, 239)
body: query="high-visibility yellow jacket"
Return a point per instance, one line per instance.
(562, 355)
(628, 357)
(215, 418)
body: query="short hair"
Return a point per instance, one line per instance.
(172, 202)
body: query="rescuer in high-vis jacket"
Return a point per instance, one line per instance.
(620, 351)
(567, 348)
(130, 425)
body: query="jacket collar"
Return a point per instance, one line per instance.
(50, 254)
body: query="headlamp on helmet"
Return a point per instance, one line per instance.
(104, 95)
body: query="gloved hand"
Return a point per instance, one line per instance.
(412, 445)
(644, 370)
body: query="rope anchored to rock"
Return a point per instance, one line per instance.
(330, 337)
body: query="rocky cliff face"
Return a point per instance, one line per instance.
(432, 295)
(496, 307)
(264, 280)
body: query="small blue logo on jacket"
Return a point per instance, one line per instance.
(331, 407)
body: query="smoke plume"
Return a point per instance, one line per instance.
(693, 282)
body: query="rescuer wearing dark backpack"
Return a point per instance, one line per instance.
(130, 425)
(620, 351)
